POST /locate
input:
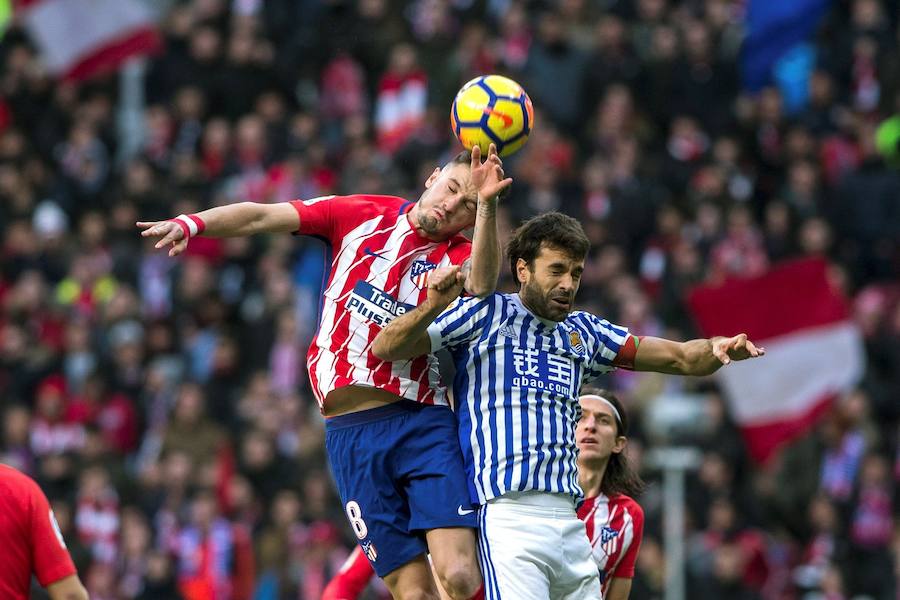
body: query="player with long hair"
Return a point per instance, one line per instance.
(614, 521)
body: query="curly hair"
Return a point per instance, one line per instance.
(551, 229)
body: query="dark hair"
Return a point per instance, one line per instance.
(463, 158)
(552, 229)
(619, 477)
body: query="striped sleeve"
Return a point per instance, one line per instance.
(462, 323)
(607, 340)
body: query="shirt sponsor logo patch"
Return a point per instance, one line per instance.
(375, 305)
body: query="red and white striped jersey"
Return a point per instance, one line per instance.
(614, 527)
(379, 265)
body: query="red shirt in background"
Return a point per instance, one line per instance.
(30, 540)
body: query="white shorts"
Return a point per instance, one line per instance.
(532, 546)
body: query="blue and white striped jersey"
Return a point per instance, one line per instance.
(516, 390)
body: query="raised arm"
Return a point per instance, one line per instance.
(482, 270)
(232, 220)
(406, 336)
(695, 357)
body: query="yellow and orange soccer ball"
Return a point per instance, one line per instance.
(492, 109)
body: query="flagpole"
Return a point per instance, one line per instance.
(674, 461)
(130, 117)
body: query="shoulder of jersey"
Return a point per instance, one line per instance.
(14, 477)
(628, 502)
(378, 201)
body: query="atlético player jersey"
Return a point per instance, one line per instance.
(614, 526)
(30, 540)
(379, 265)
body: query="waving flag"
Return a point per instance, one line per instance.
(813, 350)
(80, 38)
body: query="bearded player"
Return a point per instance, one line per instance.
(520, 362)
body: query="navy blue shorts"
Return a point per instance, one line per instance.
(399, 470)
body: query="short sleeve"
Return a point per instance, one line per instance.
(460, 250)
(319, 216)
(606, 340)
(50, 557)
(462, 323)
(625, 568)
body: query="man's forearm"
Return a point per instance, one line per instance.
(699, 359)
(407, 336)
(240, 219)
(485, 262)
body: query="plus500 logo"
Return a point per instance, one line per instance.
(375, 305)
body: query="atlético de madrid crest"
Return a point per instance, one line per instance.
(370, 551)
(418, 273)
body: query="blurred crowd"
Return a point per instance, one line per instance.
(163, 403)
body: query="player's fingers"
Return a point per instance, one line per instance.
(170, 237)
(719, 351)
(152, 230)
(476, 156)
(752, 349)
(492, 151)
(146, 224)
(178, 247)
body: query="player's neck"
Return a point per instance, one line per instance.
(591, 477)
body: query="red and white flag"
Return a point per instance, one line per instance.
(80, 38)
(814, 351)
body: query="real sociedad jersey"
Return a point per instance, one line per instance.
(516, 390)
(379, 266)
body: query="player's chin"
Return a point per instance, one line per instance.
(590, 451)
(558, 311)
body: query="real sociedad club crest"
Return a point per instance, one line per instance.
(419, 272)
(575, 342)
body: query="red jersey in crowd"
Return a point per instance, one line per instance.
(30, 539)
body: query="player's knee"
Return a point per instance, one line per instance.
(460, 580)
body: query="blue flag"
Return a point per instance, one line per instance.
(773, 28)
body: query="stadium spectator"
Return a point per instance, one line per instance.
(677, 171)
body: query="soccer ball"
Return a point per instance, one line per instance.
(492, 108)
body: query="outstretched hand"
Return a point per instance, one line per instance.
(445, 285)
(488, 177)
(735, 348)
(168, 232)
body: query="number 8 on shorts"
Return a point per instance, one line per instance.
(356, 521)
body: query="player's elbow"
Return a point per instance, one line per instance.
(480, 290)
(381, 348)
